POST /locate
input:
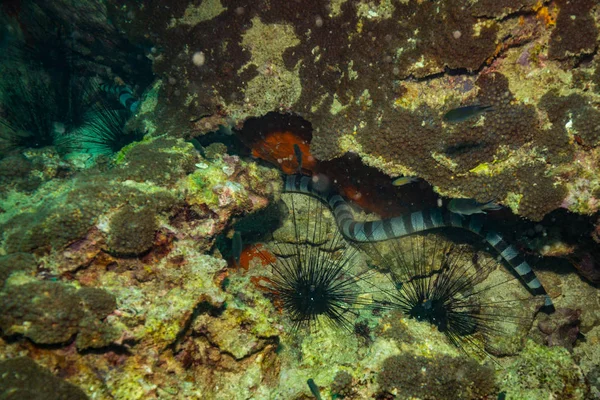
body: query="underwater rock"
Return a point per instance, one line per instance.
(164, 306)
(561, 328)
(353, 87)
(22, 378)
(441, 377)
(587, 265)
(236, 332)
(549, 371)
(54, 312)
(578, 294)
(16, 262)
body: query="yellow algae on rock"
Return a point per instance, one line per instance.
(375, 10)
(194, 14)
(274, 86)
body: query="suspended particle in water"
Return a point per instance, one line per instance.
(318, 21)
(198, 58)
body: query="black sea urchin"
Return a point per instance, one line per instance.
(37, 111)
(455, 289)
(314, 274)
(105, 132)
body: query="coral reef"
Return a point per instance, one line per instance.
(342, 384)
(131, 232)
(53, 313)
(442, 377)
(575, 31)
(130, 241)
(113, 271)
(354, 87)
(588, 353)
(550, 371)
(22, 378)
(16, 262)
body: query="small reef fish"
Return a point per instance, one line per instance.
(470, 206)
(124, 94)
(236, 247)
(199, 148)
(314, 389)
(404, 180)
(461, 114)
(298, 154)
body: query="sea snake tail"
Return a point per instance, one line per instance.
(124, 94)
(419, 221)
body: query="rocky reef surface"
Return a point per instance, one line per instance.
(376, 78)
(114, 280)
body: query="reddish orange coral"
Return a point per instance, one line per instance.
(253, 251)
(278, 148)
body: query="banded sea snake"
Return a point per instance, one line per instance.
(124, 94)
(419, 221)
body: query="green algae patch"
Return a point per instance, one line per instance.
(201, 183)
(541, 373)
(121, 156)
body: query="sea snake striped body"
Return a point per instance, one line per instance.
(419, 221)
(124, 95)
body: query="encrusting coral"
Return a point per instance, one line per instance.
(53, 313)
(112, 268)
(131, 233)
(22, 378)
(440, 377)
(354, 88)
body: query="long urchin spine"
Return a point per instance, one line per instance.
(419, 221)
(316, 281)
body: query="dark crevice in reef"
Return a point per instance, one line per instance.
(583, 59)
(372, 190)
(19, 338)
(201, 308)
(507, 17)
(257, 227)
(122, 350)
(569, 229)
